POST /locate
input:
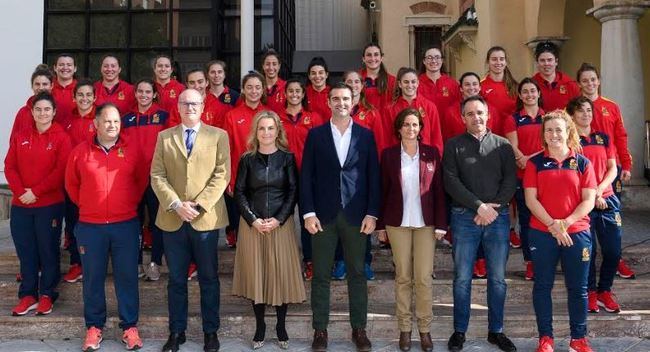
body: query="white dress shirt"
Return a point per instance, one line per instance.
(342, 141)
(412, 205)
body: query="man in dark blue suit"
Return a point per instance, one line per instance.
(339, 198)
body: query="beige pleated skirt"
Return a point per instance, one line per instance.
(267, 267)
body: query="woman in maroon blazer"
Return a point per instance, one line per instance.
(414, 215)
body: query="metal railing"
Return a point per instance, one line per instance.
(646, 159)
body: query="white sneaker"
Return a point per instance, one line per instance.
(141, 271)
(153, 272)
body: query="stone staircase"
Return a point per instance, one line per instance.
(237, 319)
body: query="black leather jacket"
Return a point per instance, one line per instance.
(266, 190)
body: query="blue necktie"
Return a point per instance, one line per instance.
(189, 141)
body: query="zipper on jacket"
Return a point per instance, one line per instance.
(267, 186)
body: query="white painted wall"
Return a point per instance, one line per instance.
(21, 35)
(331, 25)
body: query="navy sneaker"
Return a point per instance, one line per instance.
(339, 272)
(370, 274)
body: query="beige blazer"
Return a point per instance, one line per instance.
(202, 178)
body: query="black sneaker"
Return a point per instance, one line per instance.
(502, 341)
(456, 341)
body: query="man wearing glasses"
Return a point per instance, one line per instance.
(189, 174)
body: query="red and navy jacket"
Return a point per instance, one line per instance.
(168, 94)
(237, 124)
(529, 133)
(556, 94)
(24, 119)
(598, 149)
(217, 107)
(143, 128)
(276, 97)
(379, 100)
(559, 186)
(496, 95)
(64, 98)
(37, 160)
(106, 185)
(317, 101)
(444, 92)
(122, 95)
(608, 119)
(297, 127)
(430, 134)
(370, 119)
(82, 128)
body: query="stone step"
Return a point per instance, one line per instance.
(631, 294)
(237, 321)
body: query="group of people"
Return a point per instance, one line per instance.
(414, 157)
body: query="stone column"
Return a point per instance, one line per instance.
(247, 44)
(621, 70)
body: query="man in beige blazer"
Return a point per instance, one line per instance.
(189, 174)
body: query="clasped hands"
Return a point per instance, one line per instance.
(558, 229)
(28, 197)
(486, 214)
(313, 226)
(265, 226)
(187, 211)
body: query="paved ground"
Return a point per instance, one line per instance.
(236, 345)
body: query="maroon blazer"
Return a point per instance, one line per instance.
(432, 193)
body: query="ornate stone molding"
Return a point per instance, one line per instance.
(620, 9)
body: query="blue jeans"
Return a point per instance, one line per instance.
(181, 246)
(545, 253)
(121, 242)
(523, 214)
(466, 240)
(36, 233)
(606, 225)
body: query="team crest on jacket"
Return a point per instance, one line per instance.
(49, 146)
(306, 120)
(91, 128)
(563, 89)
(172, 94)
(421, 109)
(445, 92)
(585, 255)
(227, 99)
(120, 96)
(120, 152)
(155, 118)
(604, 111)
(599, 140)
(573, 164)
(362, 116)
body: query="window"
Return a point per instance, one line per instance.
(426, 37)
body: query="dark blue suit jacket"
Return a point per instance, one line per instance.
(327, 188)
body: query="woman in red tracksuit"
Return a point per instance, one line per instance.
(81, 129)
(317, 88)
(363, 113)
(111, 89)
(379, 84)
(275, 92)
(435, 84)
(34, 168)
(406, 96)
(41, 81)
(499, 88)
(63, 88)
(237, 124)
(556, 86)
(523, 129)
(142, 126)
(167, 88)
(297, 120)
(219, 98)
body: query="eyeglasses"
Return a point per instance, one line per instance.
(433, 58)
(188, 104)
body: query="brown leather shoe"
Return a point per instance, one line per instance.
(360, 339)
(425, 342)
(405, 340)
(320, 341)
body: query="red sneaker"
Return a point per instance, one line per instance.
(45, 305)
(231, 238)
(75, 273)
(131, 339)
(309, 271)
(19, 277)
(530, 274)
(624, 271)
(147, 238)
(25, 305)
(93, 339)
(546, 344)
(191, 272)
(607, 301)
(592, 302)
(515, 241)
(580, 345)
(480, 271)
